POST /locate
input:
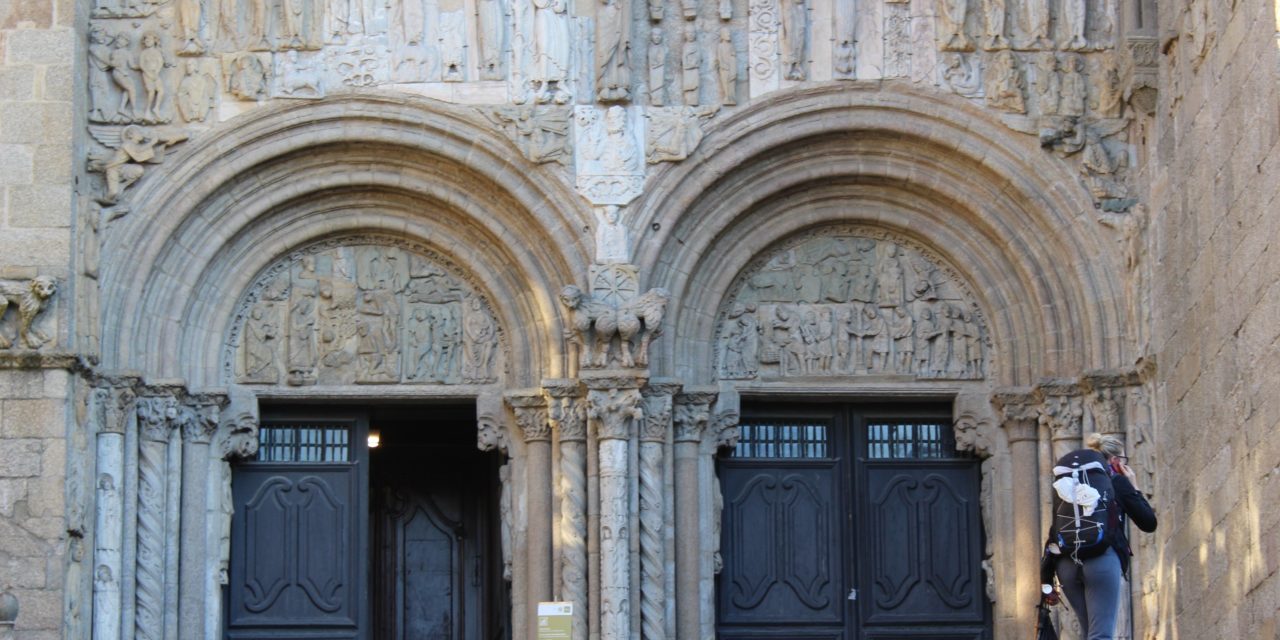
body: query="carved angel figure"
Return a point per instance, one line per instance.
(131, 148)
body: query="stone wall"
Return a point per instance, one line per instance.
(36, 125)
(33, 537)
(1216, 295)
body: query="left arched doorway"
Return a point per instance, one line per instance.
(334, 537)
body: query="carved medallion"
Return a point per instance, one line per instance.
(364, 310)
(850, 301)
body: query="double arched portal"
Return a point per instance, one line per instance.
(268, 253)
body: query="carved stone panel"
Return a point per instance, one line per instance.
(364, 311)
(851, 301)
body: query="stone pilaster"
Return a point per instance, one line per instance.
(117, 406)
(692, 412)
(199, 423)
(530, 410)
(1019, 416)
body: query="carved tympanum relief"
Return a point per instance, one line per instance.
(851, 301)
(364, 311)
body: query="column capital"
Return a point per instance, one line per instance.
(530, 408)
(1019, 413)
(157, 415)
(692, 413)
(614, 410)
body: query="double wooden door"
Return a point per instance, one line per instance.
(332, 539)
(846, 522)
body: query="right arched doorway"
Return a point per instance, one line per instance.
(850, 521)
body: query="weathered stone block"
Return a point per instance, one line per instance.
(58, 83)
(15, 165)
(21, 122)
(40, 206)
(11, 491)
(20, 458)
(33, 418)
(54, 46)
(18, 83)
(40, 608)
(36, 247)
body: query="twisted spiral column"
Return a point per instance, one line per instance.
(568, 416)
(154, 415)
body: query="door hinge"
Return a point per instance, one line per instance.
(853, 594)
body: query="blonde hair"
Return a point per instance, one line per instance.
(1108, 445)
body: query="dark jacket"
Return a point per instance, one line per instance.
(1133, 506)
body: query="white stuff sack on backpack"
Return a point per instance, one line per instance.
(1078, 493)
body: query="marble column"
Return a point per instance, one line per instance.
(567, 413)
(199, 424)
(1019, 418)
(531, 417)
(614, 408)
(117, 407)
(155, 421)
(692, 411)
(653, 438)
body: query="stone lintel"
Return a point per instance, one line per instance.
(562, 387)
(605, 379)
(662, 387)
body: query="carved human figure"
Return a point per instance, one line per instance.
(1005, 83)
(741, 342)
(480, 339)
(891, 279)
(130, 148)
(618, 154)
(551, 49)
(302, 342)
(613, 244)
(928, 332)
(258, 25)
(291, 23)
(613, 51)
(657, 58)
(122, 66)
(189, 20)
(449, 336)
(421, 331)
(1108, 100)
(1074, 14)
(1047, 82)
(971, 336)
(960, 74)
(845, 59)
(726, 62)
(197, 92)
(151, 62)
(248, 78)
(260, 346)
(1037, 21)
(795, 28)
(690, 65)
(453, 31)
(492, 30)
(1075, 92)
(951, 19)
(100, 107)
(993, 25)
(902, 330)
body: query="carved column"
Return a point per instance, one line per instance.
(567, 412)
(614, 404)
(236, 439)
(115, 406)
(199, 423)
(653, 438)
(531, 417)
(692, 411)
(1019, 417)
(1063, 414)
(155, 420)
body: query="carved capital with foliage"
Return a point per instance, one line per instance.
(692, 413)
(613, 412)
(530, 409)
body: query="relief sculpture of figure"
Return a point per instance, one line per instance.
(491, 29)
(741, 342)
(260, 346)
(551, 50)
(657, 68)
(189, 18)
(196, 93)
(845, 59)
(795, 35)
(421, 328)
(100, 107)
(951, 33)
(993, 36)
(690, 66)
(1074, 90)
(902, 328)
(613, 51)
(480, 337)
(1074, 14)
(727, 68)
(1047, 83)
(130, 148)
(1037, 20)
(122, 65)
(152, 63)
(1005, 83)
(1108, 101)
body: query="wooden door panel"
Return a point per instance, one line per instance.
(294, 535)
(922, 524)
(786, 559)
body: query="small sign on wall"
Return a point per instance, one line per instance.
(555, 620)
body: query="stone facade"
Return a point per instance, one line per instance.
(605, 222)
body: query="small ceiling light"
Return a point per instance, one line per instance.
(375, 438)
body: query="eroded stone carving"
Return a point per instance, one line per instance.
(197, 91)
(690, 65)
(541, 132)
(962, 75)
(129, 149)
(613, 243)
(610, 167)
(897, 39)
(1073, 15)
(614, 411)
(297, 76)
(726, 68)
(30, 298)
(850, 301)
(1005, 83)
(763, 39)
(595, 325)
(845, 60)
(657, 65)
(951, 19)
(674, 132)
(993, 23)
(1036, 21)
(795, 39)
(613, 50)
(364, 311)
(246, 75)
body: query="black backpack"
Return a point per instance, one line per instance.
(1083, 536)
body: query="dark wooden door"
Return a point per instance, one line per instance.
(298, 534)
(850, 522)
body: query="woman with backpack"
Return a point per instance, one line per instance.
(1087, 547)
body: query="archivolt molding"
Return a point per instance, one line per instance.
(262, 186)
(1018, 225)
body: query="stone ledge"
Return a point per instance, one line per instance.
(31, 359)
